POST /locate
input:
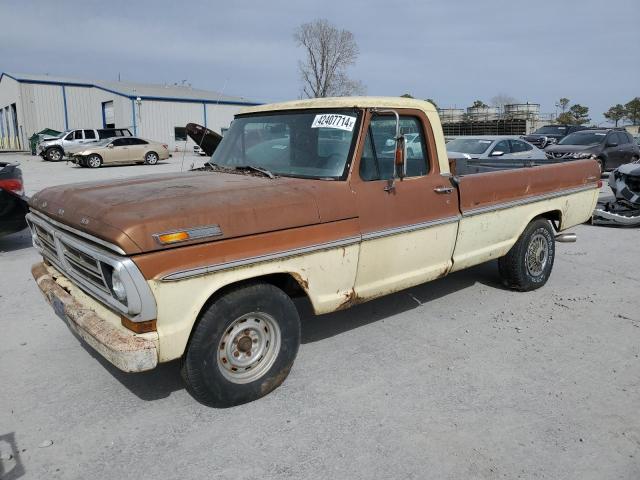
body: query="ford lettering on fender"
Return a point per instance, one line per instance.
(317, 198)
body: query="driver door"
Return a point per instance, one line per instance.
(408, 231)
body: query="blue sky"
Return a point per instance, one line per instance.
(451, 51)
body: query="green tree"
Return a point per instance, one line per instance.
(479, 104)
(407, 95)
(565, 118)
(432, 101)
(616, 113)
(633, 111)
(580, 114)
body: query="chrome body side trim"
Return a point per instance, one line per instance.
(261, 258)
(140, 305)
(409, 228)
(525, 201)
(91, 238)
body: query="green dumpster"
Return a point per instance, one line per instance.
(37, 138)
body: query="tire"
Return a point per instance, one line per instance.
(527, 266)
(93, 161)
(55, 154)
(221, 342)
(151, 158)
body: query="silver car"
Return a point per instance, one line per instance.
(507, 147)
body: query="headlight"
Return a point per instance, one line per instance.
(118, 287)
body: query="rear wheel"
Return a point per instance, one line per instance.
(243, 347)
(54, 154)
(527, 266)
(94, 161)
(151, 158)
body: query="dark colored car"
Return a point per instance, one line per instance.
(13, 204)
(610, 147)
(551, 134)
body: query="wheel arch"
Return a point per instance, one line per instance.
(554, 216)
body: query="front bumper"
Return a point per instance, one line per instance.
(126, 350)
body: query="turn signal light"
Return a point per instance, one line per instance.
(166, 238)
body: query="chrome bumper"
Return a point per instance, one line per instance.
(124, 349)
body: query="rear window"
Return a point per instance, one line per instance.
(89, 134)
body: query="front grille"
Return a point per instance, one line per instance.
(85, 261)
(85, 266)
(74, 257)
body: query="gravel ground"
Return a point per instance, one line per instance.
(454, 379)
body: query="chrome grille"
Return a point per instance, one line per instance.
(85, 266)
(84, 260)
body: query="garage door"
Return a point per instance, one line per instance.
(108, 118)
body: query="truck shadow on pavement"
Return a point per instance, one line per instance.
(165, 379)
(316, 328)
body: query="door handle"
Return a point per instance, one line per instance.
(443, 189)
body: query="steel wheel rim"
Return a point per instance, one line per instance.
(537, 254)
(152, 158)
(249, 347)
(94, 162)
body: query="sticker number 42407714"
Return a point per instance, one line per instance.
(334, 120)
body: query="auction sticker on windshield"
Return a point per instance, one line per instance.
(334, 120)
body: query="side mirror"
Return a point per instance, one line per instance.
(400, 157)
(110, 145)
(497, 153)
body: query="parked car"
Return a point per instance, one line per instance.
(13, 204)
(203, 265)
(493, 146)
(54, 149)
(609, 146)
(551, 134)
(119, 151)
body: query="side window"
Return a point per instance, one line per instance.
(77, 135)
(502, 146)
(137, 141)
(69, 137)
(118, 142)
(89, 134)
(377, 162)
(622, 138)
(518, 147)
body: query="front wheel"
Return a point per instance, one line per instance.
(151, 158)
(54, 154)
(243, 347)
(527, 266)
(94, 161)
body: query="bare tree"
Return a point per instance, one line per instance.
(328, 54)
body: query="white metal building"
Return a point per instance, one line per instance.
(31, 103)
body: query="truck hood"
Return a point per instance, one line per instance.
(129, 212)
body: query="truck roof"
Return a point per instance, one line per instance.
(345, 102)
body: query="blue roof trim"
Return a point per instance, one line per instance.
(126, 95)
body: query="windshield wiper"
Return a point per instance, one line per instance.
(264, 171)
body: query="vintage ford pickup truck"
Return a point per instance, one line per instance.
(340, 200)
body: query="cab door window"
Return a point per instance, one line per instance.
(502, 146)
(78, 135)
(89, 134)
(377, 162)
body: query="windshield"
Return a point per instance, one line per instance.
(474, 146)
(583, 138)
(551, 129)
(299, 144)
